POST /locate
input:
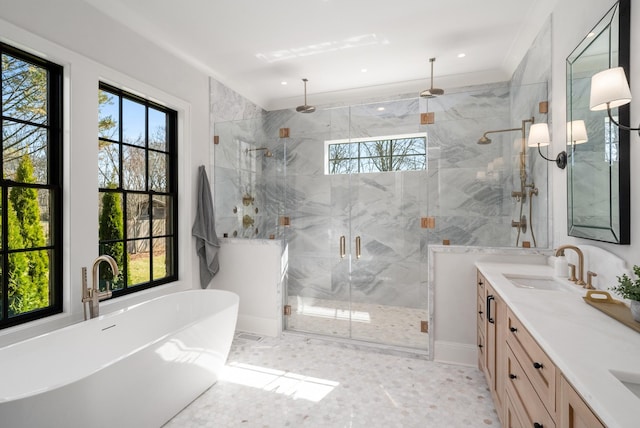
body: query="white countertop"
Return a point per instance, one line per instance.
(583, 342)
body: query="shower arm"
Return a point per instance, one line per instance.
(501, 130)
(523, 152)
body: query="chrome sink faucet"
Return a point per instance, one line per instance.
(93, 295)
(560, 252)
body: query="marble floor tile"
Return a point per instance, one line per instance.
(295, 381)
(370, 322)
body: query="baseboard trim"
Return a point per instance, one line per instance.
(260, 326)
(455, 353)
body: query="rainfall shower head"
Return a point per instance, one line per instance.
(484, 140)
(431, 92)
(305, 108)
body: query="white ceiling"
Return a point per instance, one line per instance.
(253, 45)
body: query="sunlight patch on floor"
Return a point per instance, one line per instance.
(293, 385)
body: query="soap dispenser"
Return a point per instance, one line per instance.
(561, 267)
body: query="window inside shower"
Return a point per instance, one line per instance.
(376, 154)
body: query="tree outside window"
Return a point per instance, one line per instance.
(31, 201)
(137, 188)
(378, 154)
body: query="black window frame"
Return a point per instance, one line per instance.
(171, 185)
(55, 142)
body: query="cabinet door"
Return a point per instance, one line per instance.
(574, 412)
(481, 324)
(496, 324)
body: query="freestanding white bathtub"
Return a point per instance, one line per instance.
(136, 367)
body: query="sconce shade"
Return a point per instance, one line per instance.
(539, 135)
(576, 132)
(609, 88)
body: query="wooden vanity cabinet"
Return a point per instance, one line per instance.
(491, 331)
(536, 365)
(573, 411)
(527, 388)
(481, 323)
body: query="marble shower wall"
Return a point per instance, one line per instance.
(530, 85)
(242, 206)
(464, 188)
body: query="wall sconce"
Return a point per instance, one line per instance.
(610, 89)
(539, 136)
(576, 132)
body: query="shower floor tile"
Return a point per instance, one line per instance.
(383, 324)
(295, 381)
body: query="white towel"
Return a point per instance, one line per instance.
(204, 230)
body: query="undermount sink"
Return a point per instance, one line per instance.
(532, 282)
(630, 380)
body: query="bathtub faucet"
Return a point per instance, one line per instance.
(93, 295)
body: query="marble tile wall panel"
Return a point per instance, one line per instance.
(471, 231)
(227, 105)
(530, 85)
(466, 188)
(474, 102)
(397, 117)
(319, 277)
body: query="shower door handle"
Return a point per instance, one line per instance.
(358, 248)
(343, 247)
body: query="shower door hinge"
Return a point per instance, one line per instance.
(543, 106)
(424, 326)
(428, 222)
(284, 221)
(284, 132)
(427, 118)
(287, 310)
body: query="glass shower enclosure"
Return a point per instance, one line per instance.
(354, 233)
(358, 211)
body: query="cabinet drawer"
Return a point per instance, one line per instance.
(482, 349)
(480, 282)
(527, 407)
(537, 366)
(481, 310)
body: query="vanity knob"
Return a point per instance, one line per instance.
(537, 365)
(512, 376)
(513, 329)
(480, 346)
(480, 312)
(537, 425)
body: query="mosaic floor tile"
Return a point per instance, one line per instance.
(295, 381)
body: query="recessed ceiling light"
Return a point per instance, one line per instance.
(380, 108)
(462, 55)
(364, 70)
(283, 83)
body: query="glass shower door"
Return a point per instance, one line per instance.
(356, 265)
(317, 205)
(388, 277)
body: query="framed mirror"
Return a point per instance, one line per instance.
(598, 204)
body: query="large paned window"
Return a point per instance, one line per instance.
(31, 188)
(138, 213)
(377, 154)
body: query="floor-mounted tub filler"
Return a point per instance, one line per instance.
(136, 367)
